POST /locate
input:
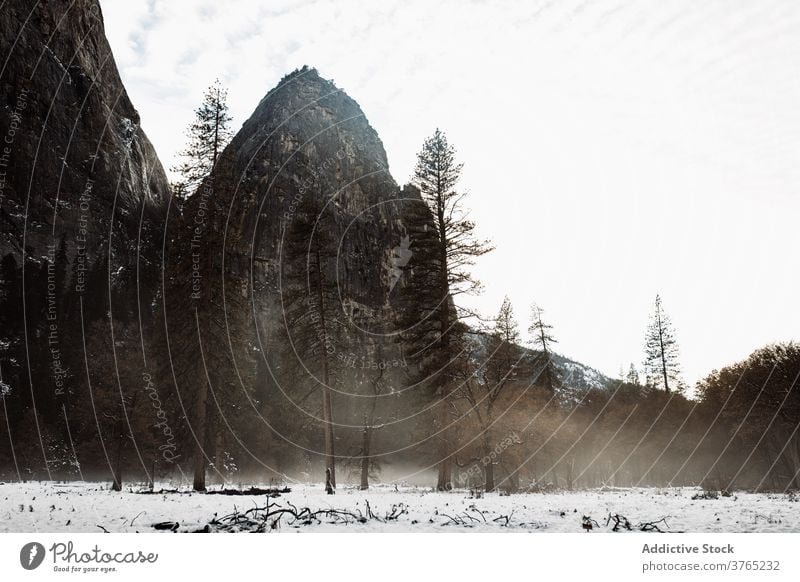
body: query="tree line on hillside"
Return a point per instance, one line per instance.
(488, 412)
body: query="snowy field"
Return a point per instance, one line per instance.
(91, 507)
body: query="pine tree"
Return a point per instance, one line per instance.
(179, 188)
(437, 174)
(661, 350)
(505, 324)
(542, 339)
(633, 375)
(208, 135)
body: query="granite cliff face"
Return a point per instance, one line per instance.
(82, 199)
(81, 183)
(311, 222)
(73, 147)
(309, 147)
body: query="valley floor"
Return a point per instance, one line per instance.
(91, 507)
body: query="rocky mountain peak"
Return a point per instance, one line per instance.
(74, 130)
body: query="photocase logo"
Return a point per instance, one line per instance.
(31, 555)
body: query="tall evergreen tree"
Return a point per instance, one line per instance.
(436, 174)
(208, 135)
(542, 339)
(661, 351)
(505, 325)
(632, 377)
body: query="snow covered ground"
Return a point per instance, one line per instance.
(91, 507)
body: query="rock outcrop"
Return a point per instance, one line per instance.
(82, 203)
(304, 209)
(73, 149)
(309, 146)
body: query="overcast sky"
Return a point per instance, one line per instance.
(612, 150)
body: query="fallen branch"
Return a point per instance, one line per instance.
(456, 520)
(468, 516)
(397, 511)
(653, 525)
(505, 518)
(271, 491)
(473, 508)
(260, 519)
(370, 514)
(137, 515)
(619, 521)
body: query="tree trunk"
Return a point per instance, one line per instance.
(570, 472)
(330, 452)
(489, 472)
(369, 424)
(444, 480)
(445, 468)
(218, 452)
(548, 376)
(512, 479)
(215, 148)
(152, 484)
(365, 455)
(200, 422)
(117, 484)
(327, 409)
(328, 485)
(554, 477)
(488, 468)
(663, 355)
